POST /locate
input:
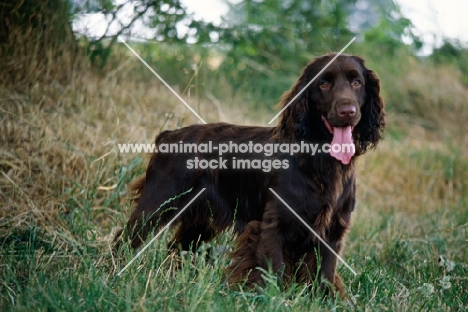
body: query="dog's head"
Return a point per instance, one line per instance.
(334, 98)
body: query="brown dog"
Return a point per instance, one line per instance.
(342, 106)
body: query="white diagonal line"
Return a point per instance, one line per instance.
(320, 72)
(160, 232)
(315, 233)
(162, 80)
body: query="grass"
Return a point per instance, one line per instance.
(63, 192)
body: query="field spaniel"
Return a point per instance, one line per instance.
(237, 166)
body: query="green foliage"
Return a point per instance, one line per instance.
(388, 35)
(262, 44)
(92, 6)
(98, 53)
(452, 53)
(161, 17)
(175, 62)
(267, 42)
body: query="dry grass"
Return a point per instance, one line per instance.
(40, 47)
(59, 140)
(61, 171)
(59, 137)
(428, 103)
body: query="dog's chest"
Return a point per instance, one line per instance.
(335, 187)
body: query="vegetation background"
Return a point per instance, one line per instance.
(67, 100)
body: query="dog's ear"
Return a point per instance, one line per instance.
(370, 128)
(293, 120)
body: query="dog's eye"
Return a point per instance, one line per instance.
(356, 83)
(324, 85)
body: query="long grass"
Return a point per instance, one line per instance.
(63, 193)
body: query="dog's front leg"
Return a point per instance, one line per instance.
(270, 246)
(328, 268)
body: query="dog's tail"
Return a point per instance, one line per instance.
(136, 188)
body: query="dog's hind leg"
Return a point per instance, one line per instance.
(189, 235)
(155, 207)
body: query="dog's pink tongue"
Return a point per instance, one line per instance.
(342, 146)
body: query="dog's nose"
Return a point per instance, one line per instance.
(346, 110)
